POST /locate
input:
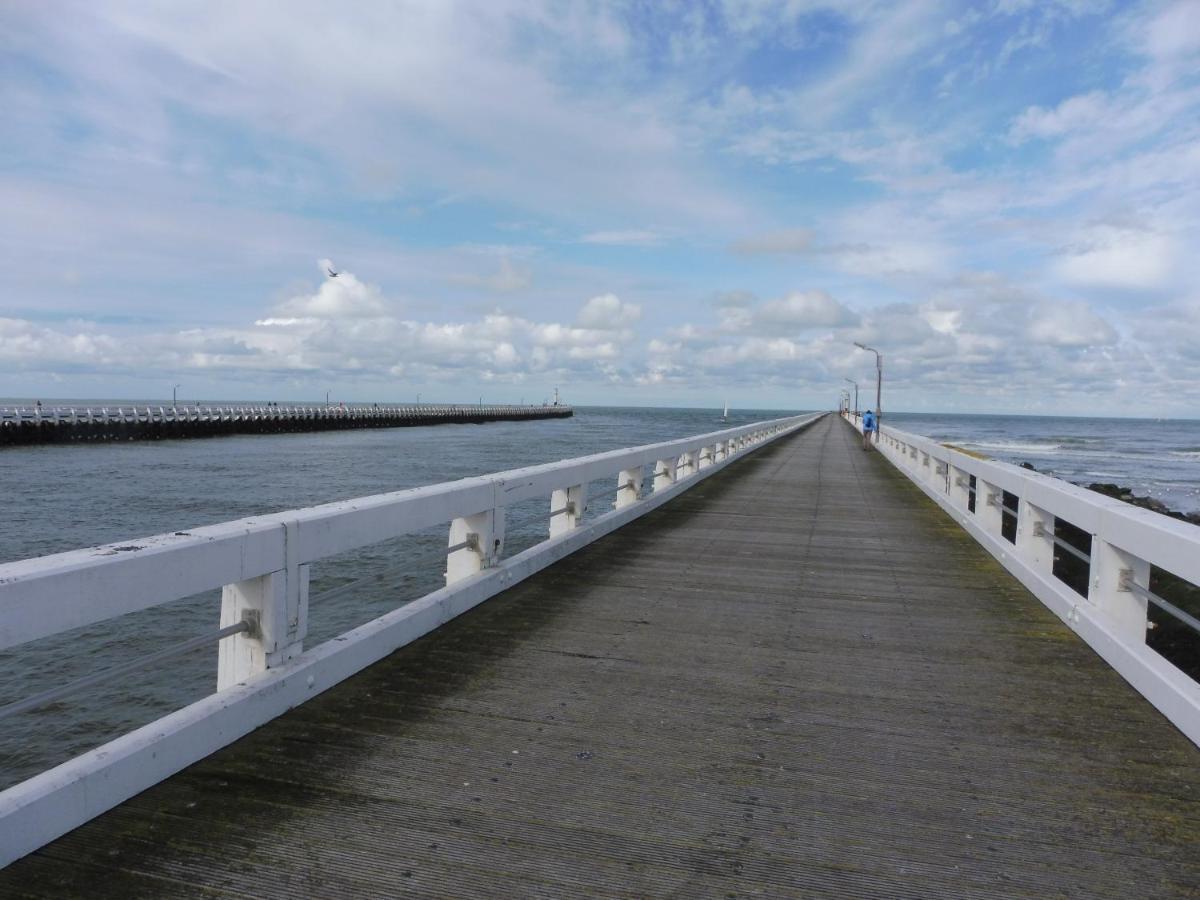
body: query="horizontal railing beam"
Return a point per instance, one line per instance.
(49, 594)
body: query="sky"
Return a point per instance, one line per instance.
(639, 203)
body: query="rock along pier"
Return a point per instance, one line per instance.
(24, 426)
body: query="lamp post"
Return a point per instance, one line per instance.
(855, 383)
(878, 385)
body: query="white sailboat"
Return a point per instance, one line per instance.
(725, 413)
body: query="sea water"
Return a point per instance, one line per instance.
(1157, 458)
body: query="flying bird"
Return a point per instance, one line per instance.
(332, 274)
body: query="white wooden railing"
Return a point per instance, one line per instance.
(262, 566)
(1021, 516)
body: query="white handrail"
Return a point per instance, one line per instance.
(1125, 542)
(262, 563)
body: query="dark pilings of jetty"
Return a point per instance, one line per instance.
(23, 427)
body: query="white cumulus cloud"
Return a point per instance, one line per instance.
(1109, 256)
(343, 297)
(606, 312)
(808, 309)
(1077, 113)
(1070, 324)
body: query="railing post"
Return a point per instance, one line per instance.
(1034, 546)
(960, 484)
(566, 508)
(941, 475)
(1112, 570)
(707, 455)
(475, 543)
(686, 465)
(629, 486)
(276, 633)
(664, 474)
(988, 500)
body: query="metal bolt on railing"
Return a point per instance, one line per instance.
(471, 543)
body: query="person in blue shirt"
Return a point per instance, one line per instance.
(870, 424)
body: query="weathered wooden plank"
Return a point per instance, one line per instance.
(798, 677)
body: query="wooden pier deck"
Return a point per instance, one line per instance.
(800, 678)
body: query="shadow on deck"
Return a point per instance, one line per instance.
(799, 677)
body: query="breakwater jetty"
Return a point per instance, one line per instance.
(58, 425)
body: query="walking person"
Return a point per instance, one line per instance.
(870, 424)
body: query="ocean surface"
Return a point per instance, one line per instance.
(1157, 458)
(65, 497)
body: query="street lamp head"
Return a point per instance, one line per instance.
(878, 355)
(878, 378)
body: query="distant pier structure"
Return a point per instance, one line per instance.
(57, 425)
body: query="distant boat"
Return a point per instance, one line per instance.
(725, 413)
